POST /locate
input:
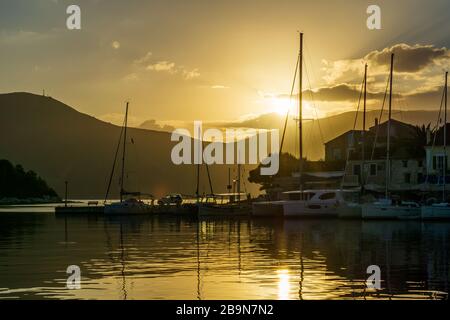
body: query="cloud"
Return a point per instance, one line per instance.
(334, 93)
(153, 125)
(408, 58)
(149, 64)
(418, 75)
(188, 75)
(341, 92)
(219, 87)
(145, 59)
(117, 119)
(172, 68)
(160, 66)
(115, 45)
(421, 99)
(411, 60)
(131, 77)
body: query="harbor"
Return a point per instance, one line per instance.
(221, 155)
(368, 186)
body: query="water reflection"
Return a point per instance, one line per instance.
(175, 258)
(283, 285)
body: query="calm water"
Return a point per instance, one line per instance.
(173, 258)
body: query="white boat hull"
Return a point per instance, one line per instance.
(299, 208)
(126, 208)
(376, 211)
(435, 212)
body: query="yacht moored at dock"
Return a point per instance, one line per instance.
(388, 209)
(130, 202)
(441, 210)
(128, 206)
(226, 204)
(436, 211)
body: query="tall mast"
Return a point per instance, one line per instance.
(239, 183)
(363, 131)
(197, 192)
(444, 165)
(300, 109)
(388, 149)
(123, 154)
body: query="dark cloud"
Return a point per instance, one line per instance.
(340, 92)
(153, 125)
(408, 58)
(337, 93)
(426, 99)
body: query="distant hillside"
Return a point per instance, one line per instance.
(317, 132)
(15, 182)
(61, 144)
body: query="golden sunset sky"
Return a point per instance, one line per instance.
(184, 60)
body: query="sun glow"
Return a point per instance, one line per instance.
(282, 105)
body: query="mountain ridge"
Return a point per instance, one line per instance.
(62, 144)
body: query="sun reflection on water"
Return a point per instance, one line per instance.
(283, 284)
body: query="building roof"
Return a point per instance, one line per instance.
(398, 129)
(358, 133)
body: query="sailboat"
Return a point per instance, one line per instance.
(440, 210)
(386, 208)
(352, 209)
(301, 203)
(226, 204)
(130, 202)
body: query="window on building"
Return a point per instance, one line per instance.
(373, 169)
(420, 178)
(356, 169)
(405, 163)
(438, 162)
(407, 177)
(420, 164)
(350, 140)
(337, 155)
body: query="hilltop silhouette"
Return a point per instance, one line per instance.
(62, 144)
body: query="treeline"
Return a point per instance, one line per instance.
(15, 182)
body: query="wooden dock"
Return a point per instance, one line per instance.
(80, 210)
(183, 210)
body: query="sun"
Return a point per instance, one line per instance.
(281, 105)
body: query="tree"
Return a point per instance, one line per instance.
(15, 182)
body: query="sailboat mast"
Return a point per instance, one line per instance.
(123, 153)
(444, 165)
(300, 110)
(239, 183)
(197, 192)
(388, 149)
(364, 130)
